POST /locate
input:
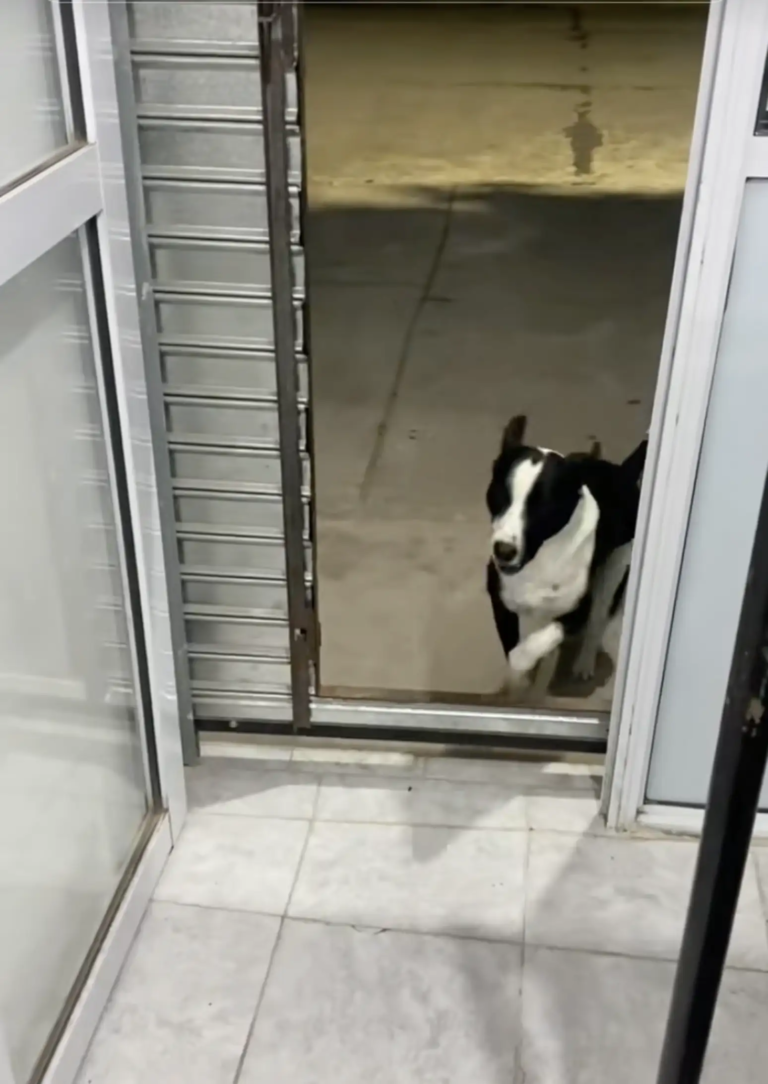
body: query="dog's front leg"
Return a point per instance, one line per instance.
(532, 649)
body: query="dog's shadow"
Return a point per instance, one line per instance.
(565, 684)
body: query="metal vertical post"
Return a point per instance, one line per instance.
(276, 49)
(737, 776)
(129, 134)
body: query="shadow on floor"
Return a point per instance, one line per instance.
(433, 321)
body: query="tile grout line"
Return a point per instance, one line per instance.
(601, 833)
(519, 1070)
(403, 355)
(278, 938)
(451, 935)
(259, 1002)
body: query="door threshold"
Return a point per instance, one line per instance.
(431, 723)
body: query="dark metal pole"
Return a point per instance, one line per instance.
(734, 792)
(276, 47)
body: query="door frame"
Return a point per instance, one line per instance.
(81, 188)
(728, 152)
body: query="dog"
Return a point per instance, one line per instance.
(562, 528)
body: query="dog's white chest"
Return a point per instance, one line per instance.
(555, 580)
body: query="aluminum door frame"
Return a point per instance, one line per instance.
(81, 189)
(150, 347)
(727, 153)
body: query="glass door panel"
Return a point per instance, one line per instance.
(73, 787)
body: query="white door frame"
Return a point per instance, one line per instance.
(97, 74)
(86, 184)
(724, 153)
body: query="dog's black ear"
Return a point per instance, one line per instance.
(514, 432)
(596, 451)
(634, 465)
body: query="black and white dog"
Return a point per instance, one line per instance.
(562, 531)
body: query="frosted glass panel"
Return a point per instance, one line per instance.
(72, 782)
(32, 124)
(721, 532)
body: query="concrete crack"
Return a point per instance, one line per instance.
(405, 350)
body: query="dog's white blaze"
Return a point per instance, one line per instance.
(552, 583)
(510, 527)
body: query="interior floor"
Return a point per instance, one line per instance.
(364, 916)
(494, 200)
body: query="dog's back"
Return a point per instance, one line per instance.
(616, 488)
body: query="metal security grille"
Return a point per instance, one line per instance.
(199, 106)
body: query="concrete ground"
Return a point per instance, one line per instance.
(337, 917)
(494, 197)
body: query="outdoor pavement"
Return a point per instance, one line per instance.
(494, 198)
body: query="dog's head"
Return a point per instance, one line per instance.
(532, 495)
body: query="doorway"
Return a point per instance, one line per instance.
(492, 208)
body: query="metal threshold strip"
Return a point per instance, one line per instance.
(256, 713)
(451, 718)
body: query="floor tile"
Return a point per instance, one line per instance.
(625, 896)
(182, 1007)
(217, 786)
(529, 777)
(589, 1018)
(354, 760)
(437, 880)
(579, 815)
(420, 802)
(760, 860)
(244, 863)
(269, 755)
(344, 1006)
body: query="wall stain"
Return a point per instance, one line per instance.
(584, 136)
(578, 31)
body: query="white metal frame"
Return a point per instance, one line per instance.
(97, 74)
(85, 1017)
(84, 185)
(724, 154)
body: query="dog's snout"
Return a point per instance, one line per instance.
(505, 552)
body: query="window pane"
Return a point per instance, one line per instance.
(32, 121)
(72, 786)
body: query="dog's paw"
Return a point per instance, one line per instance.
(517, 690)
(585, 664)
(520, 666)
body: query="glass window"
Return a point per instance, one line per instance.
(32, 117)
(73, 796)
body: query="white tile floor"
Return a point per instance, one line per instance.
(331, 918)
